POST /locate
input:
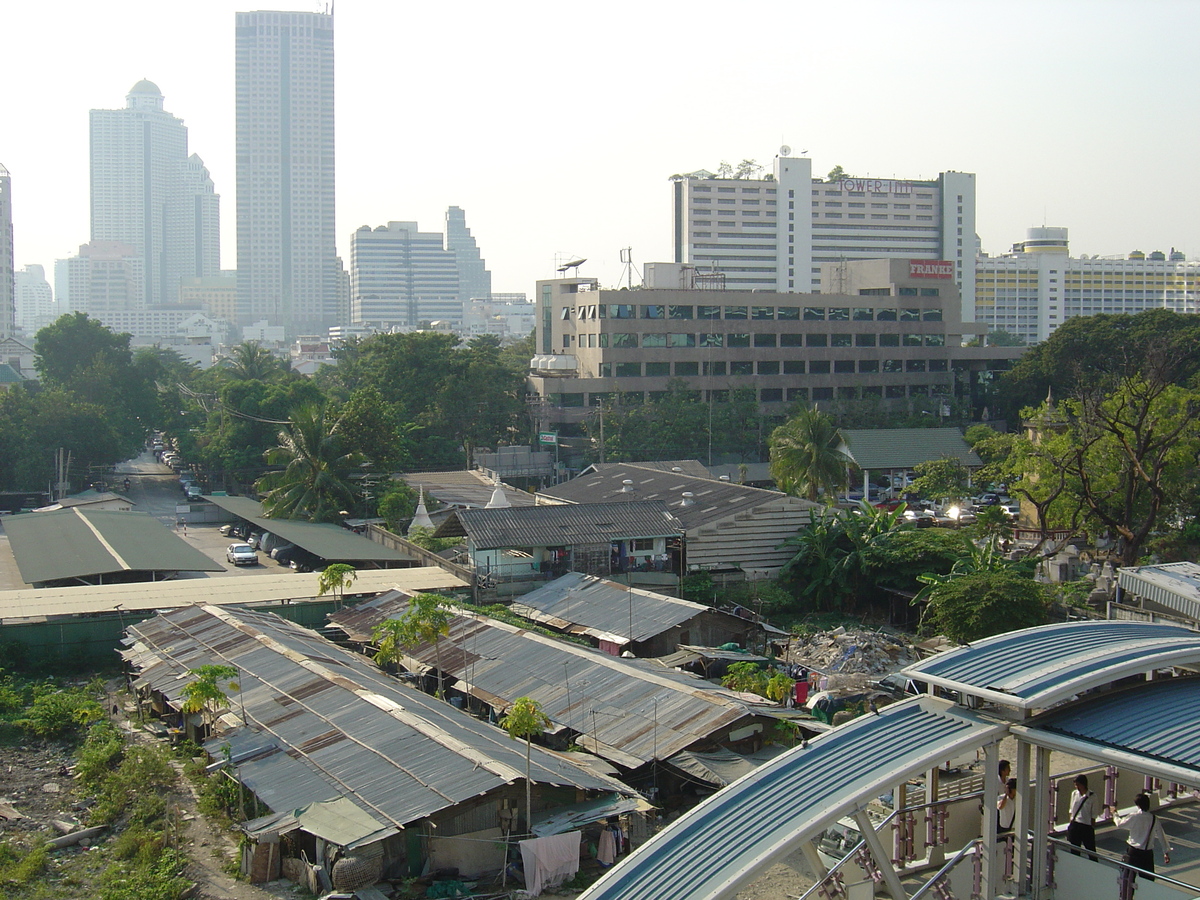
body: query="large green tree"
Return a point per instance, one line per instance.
(315, 482)
(805, 459)
(426, 621)
(984, 603)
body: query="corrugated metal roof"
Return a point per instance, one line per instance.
(330, 542)
(1153, 728)
(712, 500)
(604, 608)
(561, 525)
(692, 467)
(630, 711)
(1172, 585)
(324, 722)
(712, 850)
(1037, 667)
(79, 543)
(905, 448)
(41, 604)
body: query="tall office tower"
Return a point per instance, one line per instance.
(287, 262)
(194, 227)
(773, 233)
(148, 193)
(34, 300)
(401, 276)
(7, 283)
(474, 279)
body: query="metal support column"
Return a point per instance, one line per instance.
(891, 877)
(992, 863)
(1041, 822)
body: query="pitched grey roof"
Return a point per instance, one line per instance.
(326, 723)
(628, 711)
(717, 846)
(1038, 667)
(711, 500)
(330, 542)
(692, 467)
(464, 488)
(603, 608)
(82, 543)
(560, 525)
(904, 448)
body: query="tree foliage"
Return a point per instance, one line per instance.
(315, 481)
(204, 693)
(941, 479)
(980, 604)
(805, 459)
(334, 579)
(426, 621)
(524, 719)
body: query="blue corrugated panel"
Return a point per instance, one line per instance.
(1040, 666)
(722, 843)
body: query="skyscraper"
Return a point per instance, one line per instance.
(474, 279)
(287, 261)
(34, 299)
(7, 284)
(402, 276)
(148, 193)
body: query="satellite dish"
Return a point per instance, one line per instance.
(785, 150)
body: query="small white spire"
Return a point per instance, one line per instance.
(421, 517)
(499, 499)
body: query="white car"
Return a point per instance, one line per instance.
(242, 555)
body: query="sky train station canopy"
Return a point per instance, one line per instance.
(722, 845)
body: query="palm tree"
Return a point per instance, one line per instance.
(426, 621)
(335, 578)
(525, 719)
(805, 459)
(250, 361)
(315, 481)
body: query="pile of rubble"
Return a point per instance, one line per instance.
(850, 659)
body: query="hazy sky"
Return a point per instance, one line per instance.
(556, 126)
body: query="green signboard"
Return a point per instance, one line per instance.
(547, 437)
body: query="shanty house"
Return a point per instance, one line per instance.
(367, 777)
(627, 711)
(727, 527)
(515, 548)
(616, 617)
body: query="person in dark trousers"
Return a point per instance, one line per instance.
(1081, 826)
(1144, 830)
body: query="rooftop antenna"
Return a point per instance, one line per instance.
(573, 262)
(627, 272)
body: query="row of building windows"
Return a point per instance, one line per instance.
(728, 368)
(764, 395)
(762, 313)
(658, 340)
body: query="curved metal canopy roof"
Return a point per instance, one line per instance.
(715, 848)
(1035, 668)
(1152, 728)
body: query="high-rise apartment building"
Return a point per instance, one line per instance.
(474, 279)
(34, 304)
(105, 277)
(774, 233)
(7, 282)
(403, 277)
(147, 192)
(1032, 290)
(287, 261)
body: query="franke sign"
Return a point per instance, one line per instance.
(930, 268)
(876, 185)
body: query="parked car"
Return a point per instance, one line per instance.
(253, 538)
(297, 558)
(242, 555)
(192, 492)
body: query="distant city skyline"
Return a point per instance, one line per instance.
(573, 158)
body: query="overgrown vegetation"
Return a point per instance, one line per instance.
(126, 787)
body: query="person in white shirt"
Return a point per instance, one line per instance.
(1081, 826)
(1144, 830)
(1006, 807)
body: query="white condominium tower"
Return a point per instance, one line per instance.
(403, 277)
(148, 193)
(287, 262)
(773, 232)
(474, 279)
(1036, 287)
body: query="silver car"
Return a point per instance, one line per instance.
(242, 555)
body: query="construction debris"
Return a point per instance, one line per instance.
(847, 660)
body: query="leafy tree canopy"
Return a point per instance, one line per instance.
(984, 603)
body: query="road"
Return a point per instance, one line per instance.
(153, 487)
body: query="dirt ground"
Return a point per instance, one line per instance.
(36, 782)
